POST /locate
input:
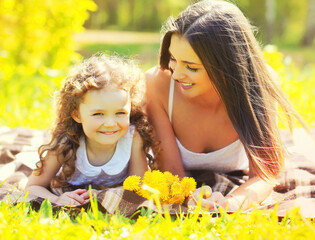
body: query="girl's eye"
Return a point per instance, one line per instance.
(97, 114)
(121, 113)
(192, 69)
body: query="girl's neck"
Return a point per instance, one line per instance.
(98, 154)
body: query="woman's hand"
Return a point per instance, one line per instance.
(212, 200)
(73, 198)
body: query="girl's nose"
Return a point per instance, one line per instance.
(109, 122)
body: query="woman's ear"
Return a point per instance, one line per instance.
(76, 116)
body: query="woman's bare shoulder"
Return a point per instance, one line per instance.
(158, 82)
(158, 77)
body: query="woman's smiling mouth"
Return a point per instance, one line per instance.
(185, 85)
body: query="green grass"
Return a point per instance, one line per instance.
(21, 222)
(301, 56)
(146, 53)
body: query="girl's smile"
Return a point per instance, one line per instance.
(108, 132)
(104, 115)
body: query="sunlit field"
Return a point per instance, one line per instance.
(27, 101)
(41, 40)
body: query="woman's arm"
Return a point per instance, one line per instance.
(37, 185)
(253, 191)
(158, 83)
(138, 162)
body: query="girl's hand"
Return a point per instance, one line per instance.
(86, 195)
(73, 198)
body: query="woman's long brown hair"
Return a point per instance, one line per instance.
(223, 39)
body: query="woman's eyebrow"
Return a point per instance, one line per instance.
(185, 61)
(188, 62)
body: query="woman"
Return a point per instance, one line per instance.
(212, 102)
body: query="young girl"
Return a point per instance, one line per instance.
(93, 141)
(212, 102)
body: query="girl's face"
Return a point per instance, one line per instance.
(188, 70)
(104, 115)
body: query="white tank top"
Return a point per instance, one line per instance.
(230, 158)
(111, 173)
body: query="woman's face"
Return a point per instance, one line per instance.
(188, 70)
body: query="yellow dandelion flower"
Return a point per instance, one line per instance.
(188, 185)
(177, 199)
(176, 189)
(170, 178)
(147, 177)
(163, 187)
(132, 183)
(144, 193)
(156, 179)
(153, 177)
(176, 194)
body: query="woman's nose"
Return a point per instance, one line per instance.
(177, 73)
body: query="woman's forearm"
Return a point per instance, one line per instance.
(253, 191)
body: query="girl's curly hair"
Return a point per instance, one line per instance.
(97, 72)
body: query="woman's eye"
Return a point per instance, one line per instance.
(172, 59)
(192, 69)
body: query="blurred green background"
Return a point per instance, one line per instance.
(41, 39)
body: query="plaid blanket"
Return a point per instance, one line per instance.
(295, 186)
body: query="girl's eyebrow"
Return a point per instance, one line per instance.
(96, 110)
(185, 61)
(105, 110)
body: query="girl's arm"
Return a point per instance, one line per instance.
(138, 162)
(37, 185)
(158, 83)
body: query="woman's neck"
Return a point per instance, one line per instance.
(208, 102)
